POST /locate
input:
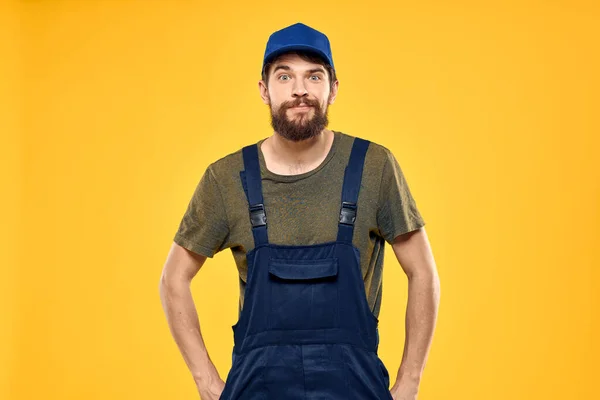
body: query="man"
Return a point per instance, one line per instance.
(306, 213)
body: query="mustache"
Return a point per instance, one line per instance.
(299, 102)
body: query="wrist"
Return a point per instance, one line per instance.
(409, 377)
(205, 374)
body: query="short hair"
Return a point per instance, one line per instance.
(306, 56)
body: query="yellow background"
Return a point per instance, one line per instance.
(111, 111)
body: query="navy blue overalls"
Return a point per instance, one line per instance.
(306, 330)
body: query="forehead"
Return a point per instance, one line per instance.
(295, 62)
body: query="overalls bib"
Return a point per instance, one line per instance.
(306, 330)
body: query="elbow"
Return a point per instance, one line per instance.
(163, 285)
(167, 282)
(425, 277)
(162, 282)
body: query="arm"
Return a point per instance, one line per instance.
(416, 259)
(176, 297)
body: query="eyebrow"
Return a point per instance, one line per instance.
(310, 71)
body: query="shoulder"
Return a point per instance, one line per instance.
(377, 154)
(228, 166)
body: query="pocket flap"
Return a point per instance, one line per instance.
(304, 269)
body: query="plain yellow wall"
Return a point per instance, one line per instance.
(10, 182)
(491, 110)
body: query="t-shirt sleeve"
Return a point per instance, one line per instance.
(204, 228)
(397, 211)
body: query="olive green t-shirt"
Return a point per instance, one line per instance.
(303, 209)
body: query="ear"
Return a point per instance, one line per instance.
(334, 91)
(264, 92)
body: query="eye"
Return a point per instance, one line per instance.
(283, 76)
(318, 78)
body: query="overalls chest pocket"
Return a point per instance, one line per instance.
(303, 294)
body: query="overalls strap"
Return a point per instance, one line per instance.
(350, 189)
(251, 180)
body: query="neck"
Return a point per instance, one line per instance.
(302, 152)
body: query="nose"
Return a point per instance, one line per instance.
(299, 90)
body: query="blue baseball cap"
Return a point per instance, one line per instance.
(298, 37)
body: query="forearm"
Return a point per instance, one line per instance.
(182, 317)
(421, 315)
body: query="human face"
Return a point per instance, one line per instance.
(298, 94)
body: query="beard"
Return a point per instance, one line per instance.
(302, 126)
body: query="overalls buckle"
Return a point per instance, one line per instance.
(258, 217)
(348, 213)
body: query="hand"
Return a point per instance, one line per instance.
(212, 389)
(405, 391)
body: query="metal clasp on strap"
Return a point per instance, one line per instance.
(348, 213)
(258, 217)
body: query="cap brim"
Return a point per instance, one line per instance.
(291, 47)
